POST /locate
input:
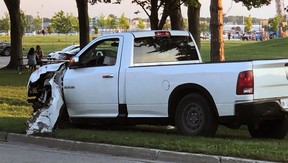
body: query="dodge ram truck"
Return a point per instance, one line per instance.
(158, 78)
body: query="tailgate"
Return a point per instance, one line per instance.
(270, 78)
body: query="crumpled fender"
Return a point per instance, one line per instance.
(44, 69)
(44, 120)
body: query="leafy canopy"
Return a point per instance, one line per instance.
(254, 3)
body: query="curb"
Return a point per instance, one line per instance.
(117, 150)
(3, 136)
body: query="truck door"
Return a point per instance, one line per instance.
(91, 89)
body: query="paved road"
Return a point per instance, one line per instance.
(12, 152)
(4, 61)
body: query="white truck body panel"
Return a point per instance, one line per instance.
(270, 78)
(154, 85)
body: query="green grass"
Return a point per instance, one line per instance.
(14, 111)
(249, 50)
(48, 43)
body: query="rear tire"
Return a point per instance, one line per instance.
(7, 52)
(194, 116)
(275, 129)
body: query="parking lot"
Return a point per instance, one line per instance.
(4, 60)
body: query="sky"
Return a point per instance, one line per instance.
(47, 8)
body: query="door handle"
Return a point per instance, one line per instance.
(108, 76)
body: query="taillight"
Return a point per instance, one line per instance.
(245, 83)
(162, 34)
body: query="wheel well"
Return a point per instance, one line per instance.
(180, 91)
(6, 48)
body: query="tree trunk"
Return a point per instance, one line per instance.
(16, 33)
(154, 15)
(216, 28)
(176, 16)
(165, 14)
(82, 6)
(193, 22)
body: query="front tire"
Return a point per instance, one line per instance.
(194, 116)
(275, 129)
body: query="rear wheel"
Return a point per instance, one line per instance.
(7, 52)
(276, 129)
(194, 116)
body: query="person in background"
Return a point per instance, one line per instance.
(39, 55)
(229, 36)
(31, 56)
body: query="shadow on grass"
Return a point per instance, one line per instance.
(13, 124)
(222, 132)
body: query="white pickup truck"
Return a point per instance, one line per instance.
(158, 78)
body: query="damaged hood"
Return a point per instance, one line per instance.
(44, 69)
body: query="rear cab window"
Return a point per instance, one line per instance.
(164, 50)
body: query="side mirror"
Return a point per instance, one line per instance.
(74, 62)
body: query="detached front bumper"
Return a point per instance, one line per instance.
(255, 111)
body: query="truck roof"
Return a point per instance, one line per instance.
(152, 33)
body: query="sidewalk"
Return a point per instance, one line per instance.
(116, 150)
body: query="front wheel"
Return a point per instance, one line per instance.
(195, 117)
(275, 129)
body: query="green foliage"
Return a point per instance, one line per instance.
(101, 21)
(5, 23)
(274, 23)
(24, 21)
(140, 24)
(204, 27)
(123, 22)
(50, 29)
(96, 29)
(62, 23)
(111, 22)
(254, 3)
(37, 23)
(75, 22)
(248, 24)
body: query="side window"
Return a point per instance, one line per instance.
(102, 53)
(164, 49)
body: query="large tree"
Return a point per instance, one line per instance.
(83, 18)
(175, 15)
(169, 8)
(216, 25)
(193, 13)
(16, 33)
(216, 28)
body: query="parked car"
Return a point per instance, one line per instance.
(69, 54)
(5, 49)
(57, 55)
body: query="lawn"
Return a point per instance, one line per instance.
(14, 111)
(48, 43)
